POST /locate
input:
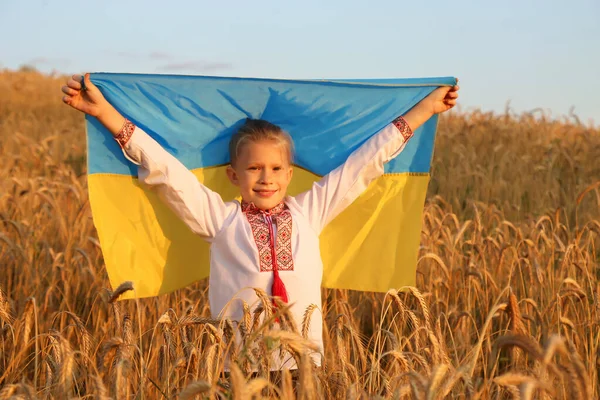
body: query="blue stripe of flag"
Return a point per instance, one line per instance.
(193, 117)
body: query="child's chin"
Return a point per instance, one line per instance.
(266, 204)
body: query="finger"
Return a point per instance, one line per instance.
(74, 84)
(67, 99)
(69, 91)
(452, 95)
(442, 92)
(450, 102)
(87, 81)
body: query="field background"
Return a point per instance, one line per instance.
(507, 302)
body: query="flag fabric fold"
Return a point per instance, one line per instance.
(371, 246)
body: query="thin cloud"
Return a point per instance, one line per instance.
(196, 66)
(48, 61)
(154, 55)
(171, 63)
(158, 55)
(124, 54)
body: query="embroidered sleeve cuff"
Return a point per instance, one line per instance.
(403, 127)
(125, 133)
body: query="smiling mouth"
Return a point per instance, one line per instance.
(265, 193)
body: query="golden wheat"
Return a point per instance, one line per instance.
(507, 300)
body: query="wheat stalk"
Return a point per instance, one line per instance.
(5, 310)
(194, 389)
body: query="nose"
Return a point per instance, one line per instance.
(265, 176)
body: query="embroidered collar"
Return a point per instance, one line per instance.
(251, 208)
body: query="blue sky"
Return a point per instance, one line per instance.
(533, 53)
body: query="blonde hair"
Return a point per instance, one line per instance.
(255, 130)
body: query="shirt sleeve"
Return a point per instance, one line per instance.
(337, 190)
(201, 209)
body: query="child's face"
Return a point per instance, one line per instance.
(262, 172)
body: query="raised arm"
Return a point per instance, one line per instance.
(201, 209)
(337, 190)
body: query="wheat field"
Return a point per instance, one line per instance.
(507, 301)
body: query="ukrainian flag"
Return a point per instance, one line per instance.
(371, 246)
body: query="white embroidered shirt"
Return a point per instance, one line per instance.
(235, 266)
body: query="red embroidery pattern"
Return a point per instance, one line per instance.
(260, 230)
(125, 133)
(403, 127)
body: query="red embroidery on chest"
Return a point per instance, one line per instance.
(282, 218)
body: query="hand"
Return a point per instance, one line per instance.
(89, 100)
(92, 102)
(441, 99)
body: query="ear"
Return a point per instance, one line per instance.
(290, 173)
(232, 175)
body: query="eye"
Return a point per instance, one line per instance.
(277, 169)
(253, 168)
